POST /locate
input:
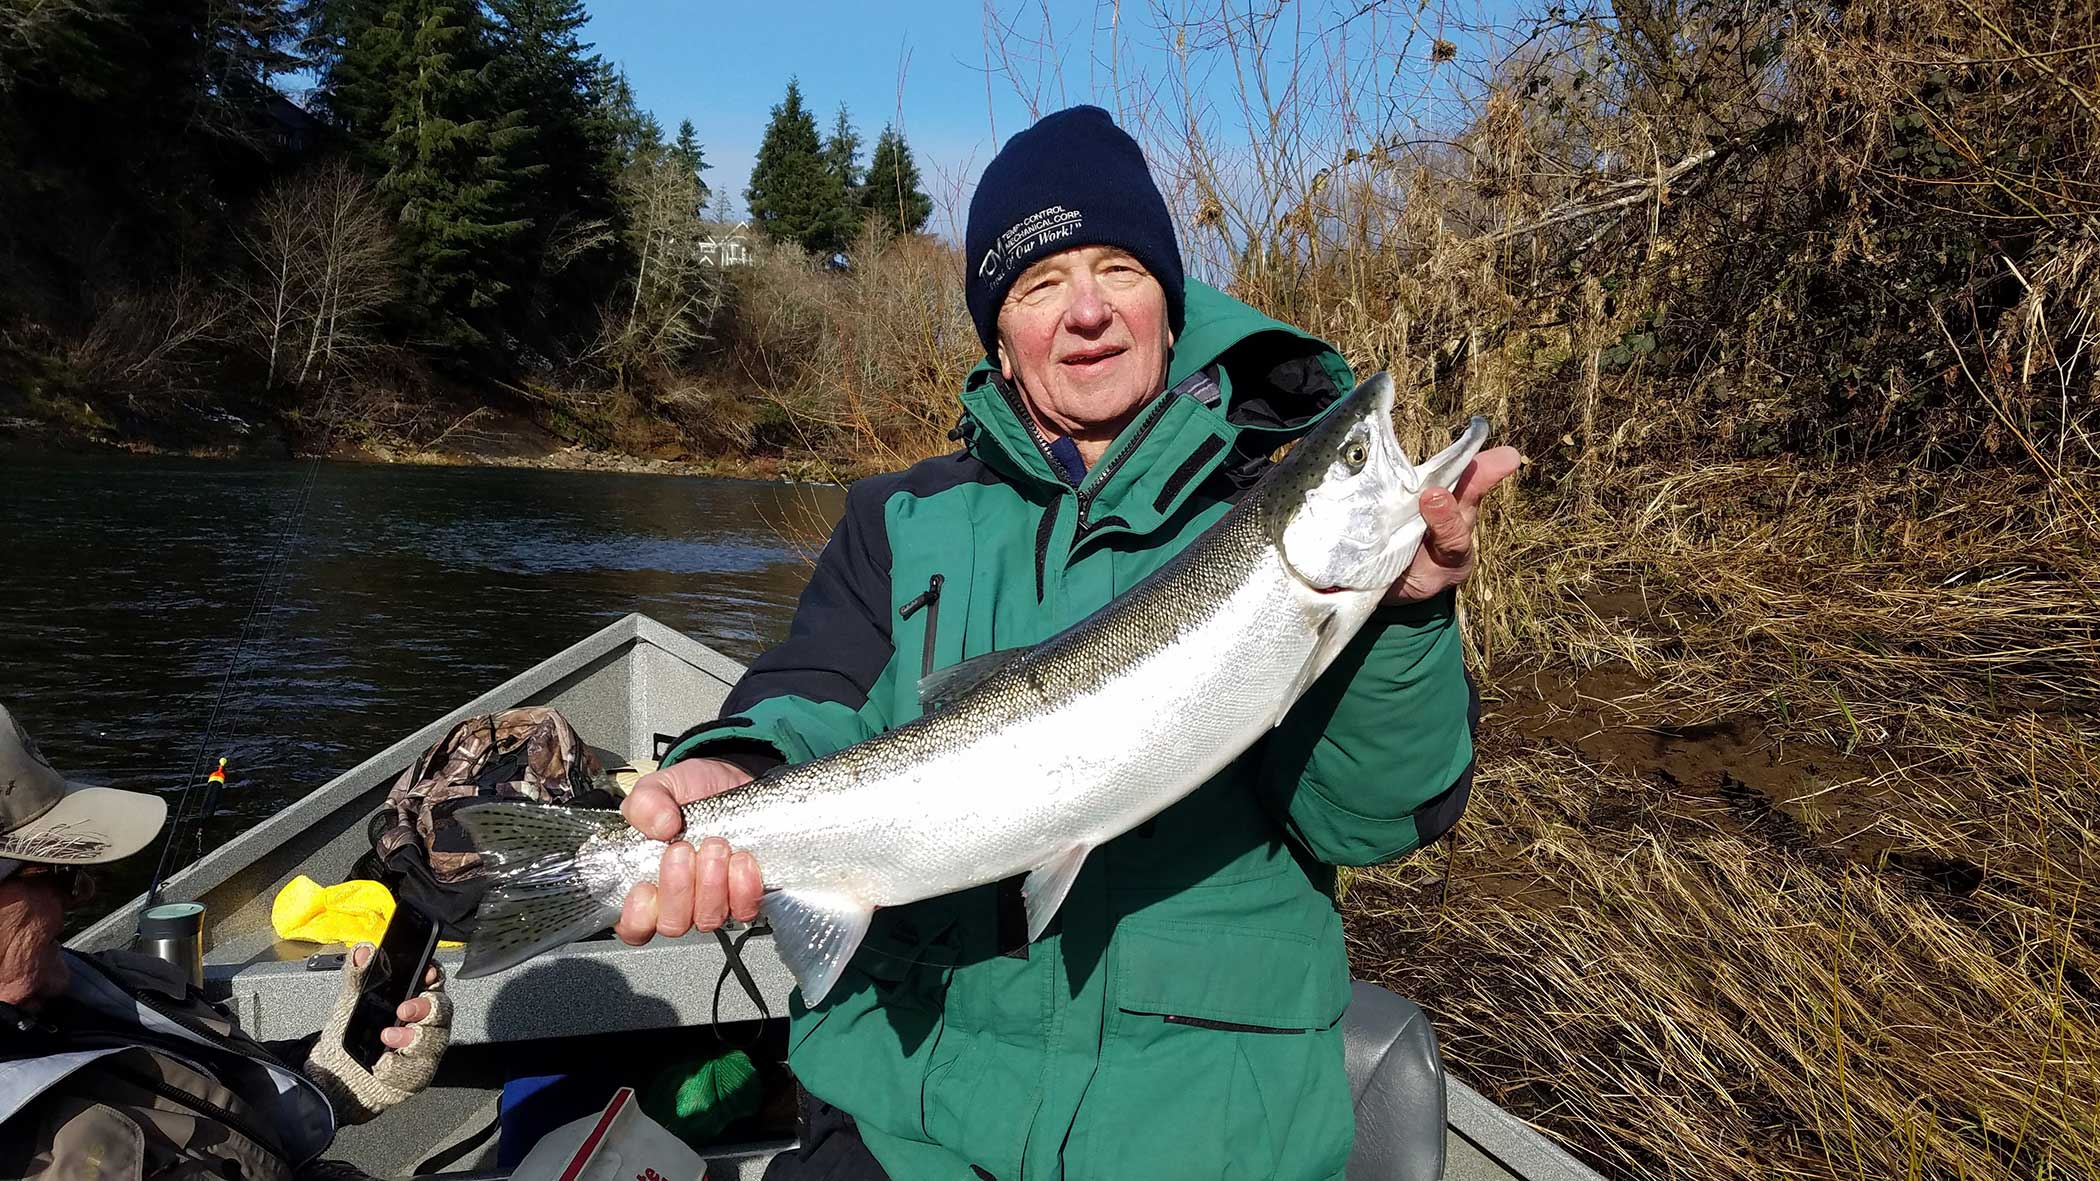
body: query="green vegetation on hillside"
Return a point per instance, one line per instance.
(464, 209)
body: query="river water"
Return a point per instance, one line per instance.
(398, 592)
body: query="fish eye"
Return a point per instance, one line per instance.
(1354, 453)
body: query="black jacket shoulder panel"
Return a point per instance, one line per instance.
(839, 641)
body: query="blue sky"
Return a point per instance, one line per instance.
(920, 65)
(725, 66)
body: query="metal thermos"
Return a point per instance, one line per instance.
(174, 931)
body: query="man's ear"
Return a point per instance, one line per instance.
(999, 358)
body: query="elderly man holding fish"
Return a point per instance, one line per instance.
(1162, 996)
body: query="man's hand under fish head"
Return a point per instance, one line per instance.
(696, 888)
(1447, 555)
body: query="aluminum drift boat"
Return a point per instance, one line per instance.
(594, 1010)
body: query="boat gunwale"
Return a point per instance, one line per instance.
(222, 864)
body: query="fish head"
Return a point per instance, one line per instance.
(1345, 504)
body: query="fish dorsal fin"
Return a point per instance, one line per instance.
(943, 686)
(816, 932)
(1045, 887)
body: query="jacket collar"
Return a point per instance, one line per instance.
(1175, 441)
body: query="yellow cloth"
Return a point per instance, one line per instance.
(349, 913)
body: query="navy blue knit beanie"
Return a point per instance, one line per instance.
(1073, 179)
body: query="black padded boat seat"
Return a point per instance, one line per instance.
(1397, 1079)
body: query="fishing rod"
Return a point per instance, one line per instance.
(268, 587)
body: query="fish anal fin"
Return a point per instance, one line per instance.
(816, 933)
(1045, 887)
(941, 687)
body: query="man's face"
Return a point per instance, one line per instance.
(32, 919)
(1084, 334)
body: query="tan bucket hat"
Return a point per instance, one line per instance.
(44, 818)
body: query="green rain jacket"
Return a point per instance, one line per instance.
(1180, 1018)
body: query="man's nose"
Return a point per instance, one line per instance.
(1089, 310)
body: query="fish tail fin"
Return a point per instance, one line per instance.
(538, 899)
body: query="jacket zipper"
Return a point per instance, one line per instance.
(199, 1103)
(930, 598)
(1097, 480)
(1227, 1026)
(1013, 402)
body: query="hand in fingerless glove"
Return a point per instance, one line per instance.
(358, 1094)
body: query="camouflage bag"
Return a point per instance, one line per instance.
(422, 853)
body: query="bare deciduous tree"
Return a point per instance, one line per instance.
(324, 263)
(676, 291)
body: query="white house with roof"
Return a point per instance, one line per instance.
(725, 245)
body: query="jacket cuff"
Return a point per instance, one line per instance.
(749, 755)
(1436, 608)
(734, 740)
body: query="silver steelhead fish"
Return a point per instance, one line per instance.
(1024, 761)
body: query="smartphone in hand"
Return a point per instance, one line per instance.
(392, 978)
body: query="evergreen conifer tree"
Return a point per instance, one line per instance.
(842, 160)
(793, 195)
(692, 157)
(356, 53)
(444, 151)
(564, 169)
(892, 189)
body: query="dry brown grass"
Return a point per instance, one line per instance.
(860, 367)
(1783, 861)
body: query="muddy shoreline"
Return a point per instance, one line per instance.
(508, 441)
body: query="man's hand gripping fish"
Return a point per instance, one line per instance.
(1025, 760)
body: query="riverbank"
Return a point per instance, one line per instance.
(481, 437)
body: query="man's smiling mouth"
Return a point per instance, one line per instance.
(1092, 357)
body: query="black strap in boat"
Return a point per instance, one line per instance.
(733, 962)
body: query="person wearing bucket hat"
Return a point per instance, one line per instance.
(112, 1065)
(1181, 1015)
(45, 820)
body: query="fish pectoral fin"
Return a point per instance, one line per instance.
(940, 688)
(816, 932)
(1046, 885)
(1315, 660)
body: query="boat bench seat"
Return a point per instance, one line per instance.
(1396, 1077)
